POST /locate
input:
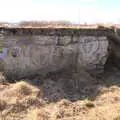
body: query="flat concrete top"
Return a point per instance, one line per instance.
(11, 31)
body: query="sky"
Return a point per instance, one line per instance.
(76, 11)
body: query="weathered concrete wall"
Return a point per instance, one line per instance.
(39, 52)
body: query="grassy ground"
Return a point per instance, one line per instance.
(67, 96)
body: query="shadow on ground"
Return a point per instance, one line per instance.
(63, 95)
(74, 85)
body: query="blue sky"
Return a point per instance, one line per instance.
(78, 11)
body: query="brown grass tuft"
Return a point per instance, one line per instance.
(38, 114)
(3, 105)
(90, 104)
(18, 107)
(117, 118)
(32, 101)
(64, 102)
(23, 88)
(20, 90)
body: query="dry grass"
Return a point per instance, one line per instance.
(2, 78)
(23, 88)
(3, 106)
(18, 98)
(64, 102)
(106, 112)
(89, 104)
(38, 114)
(117, 118)
(22, 100)
(20, 90)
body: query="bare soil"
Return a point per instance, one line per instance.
(62, 96)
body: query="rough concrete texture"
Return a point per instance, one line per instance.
(25, 55)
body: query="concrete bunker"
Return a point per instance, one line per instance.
(38, 51)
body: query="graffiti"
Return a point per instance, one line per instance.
(3, 54)
(91, 51)
(15, 51)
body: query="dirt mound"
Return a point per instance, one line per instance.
(60, 96)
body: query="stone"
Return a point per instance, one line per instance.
(40, 54)
(92, 52)
(64, 40)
